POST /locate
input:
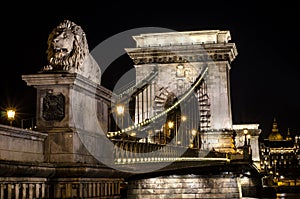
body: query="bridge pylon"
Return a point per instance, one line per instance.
(180, 58)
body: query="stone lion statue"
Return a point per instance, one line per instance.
(68, 51)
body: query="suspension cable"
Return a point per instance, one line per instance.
(159, 115)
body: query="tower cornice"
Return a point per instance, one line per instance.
(183, 53)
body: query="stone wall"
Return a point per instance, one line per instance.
(186, 186)
(21, 145)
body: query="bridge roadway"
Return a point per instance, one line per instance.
(130, 171)
(187, 165)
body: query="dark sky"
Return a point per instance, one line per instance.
(264, 77)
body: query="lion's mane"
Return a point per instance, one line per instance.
(80, 47)
(78, 60)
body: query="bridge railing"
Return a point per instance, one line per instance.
(135, 152)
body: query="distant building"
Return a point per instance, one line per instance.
(280, 157)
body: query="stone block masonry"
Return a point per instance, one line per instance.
(186, 186)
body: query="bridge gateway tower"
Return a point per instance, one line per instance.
(178, 59)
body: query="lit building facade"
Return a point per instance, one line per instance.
(280, 158)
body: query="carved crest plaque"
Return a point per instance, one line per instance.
(53, 107)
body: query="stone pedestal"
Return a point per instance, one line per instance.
(69, 106)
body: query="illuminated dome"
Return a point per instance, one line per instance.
(275, 135)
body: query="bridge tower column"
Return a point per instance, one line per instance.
(180, 57)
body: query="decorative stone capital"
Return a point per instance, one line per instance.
(182, 54)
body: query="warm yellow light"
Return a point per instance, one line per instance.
(120, 109)
(183, 118)
(194, 132)
(170, 124)
(245, 131)
(133, 134)
(11, 114)
(248, 136)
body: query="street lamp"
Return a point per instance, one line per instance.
(171, 124)
(194, 136)
(194, 132)
(120, 109)
(248, 137)
(11, 115)
(245, 133)
(246, 147)
(169, 130)
(120, 112)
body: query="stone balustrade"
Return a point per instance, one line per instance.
(31, 188)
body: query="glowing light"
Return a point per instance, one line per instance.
(183, 118)
(133, 134)
(170, 124)
(11, 115)
(120, 109)
(281, 177)
(194, 132)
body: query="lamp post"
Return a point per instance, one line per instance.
(245, 134)
(11, 115)
(248, 138)
(194, 134)
(246, 147)
(120, 112)
(169, 132)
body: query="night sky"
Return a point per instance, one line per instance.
(264, 77)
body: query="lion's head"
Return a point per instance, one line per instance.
(67, 47)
